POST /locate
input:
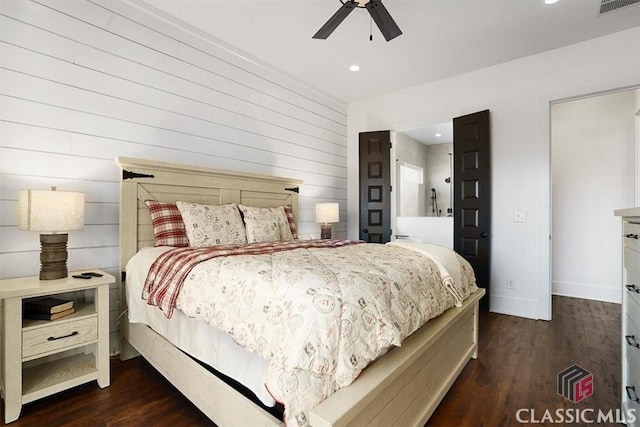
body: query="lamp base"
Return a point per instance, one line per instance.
(53, 257)
(325, 231)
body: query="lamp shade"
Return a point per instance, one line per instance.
(327, 212)
(50, 211)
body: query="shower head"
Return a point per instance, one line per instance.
(447, 179)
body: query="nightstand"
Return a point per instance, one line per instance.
(42, 357)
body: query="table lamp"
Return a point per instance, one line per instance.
(326, 213)
(51, 212)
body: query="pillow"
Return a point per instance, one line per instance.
(276, 215)
(168, 227)
(288, 210)
(260, 231)
(212, 225)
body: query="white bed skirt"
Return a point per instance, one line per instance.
(198, 339)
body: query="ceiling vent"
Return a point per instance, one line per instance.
(611, 5)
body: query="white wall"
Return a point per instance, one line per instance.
(84, 82)
(415, 153)
(518, 93)
(593, 173)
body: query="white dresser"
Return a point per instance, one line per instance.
(631, 315)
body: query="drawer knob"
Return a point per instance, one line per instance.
(633, 288)
(631, 236)
(63, 336)
(631, 393)
(631, 340)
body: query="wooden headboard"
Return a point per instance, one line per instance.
(167, 182)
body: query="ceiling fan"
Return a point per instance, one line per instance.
(378, 12)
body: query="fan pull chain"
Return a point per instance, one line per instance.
(370, 29)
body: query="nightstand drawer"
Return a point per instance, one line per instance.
(60, 335)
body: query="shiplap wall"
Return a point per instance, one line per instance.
(86, 81)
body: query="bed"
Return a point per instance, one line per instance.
(402, 387)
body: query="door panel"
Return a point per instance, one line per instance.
(472, 195)
(375, 186)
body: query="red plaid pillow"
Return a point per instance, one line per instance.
(168, 226)
(288, 209)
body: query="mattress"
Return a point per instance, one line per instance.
(196, 338)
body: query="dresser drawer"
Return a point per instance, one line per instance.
(632, 381)
(632, 260)
(631, 237)
(632, 333)
(58, 336)
(631, 288)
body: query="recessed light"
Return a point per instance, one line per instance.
(354, 68)
(438, 135)
(550, 1)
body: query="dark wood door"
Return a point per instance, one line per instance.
(375, 186)
(472, 195)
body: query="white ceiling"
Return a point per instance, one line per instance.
(441, 37)
(427, 134)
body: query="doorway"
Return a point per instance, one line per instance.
(592, 174)
(423, 159)
(470, 196)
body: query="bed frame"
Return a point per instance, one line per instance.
(403, 388)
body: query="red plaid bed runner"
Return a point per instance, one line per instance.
(169, 270)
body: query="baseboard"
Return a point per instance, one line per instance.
(591, 292)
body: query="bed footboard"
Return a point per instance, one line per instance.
(405, 386)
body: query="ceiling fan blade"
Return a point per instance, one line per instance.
(383, 19)
(335, 20)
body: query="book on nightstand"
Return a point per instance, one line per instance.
(48, 316)
(48, 305)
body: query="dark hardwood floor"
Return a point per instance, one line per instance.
(519, 360)
(517, 367)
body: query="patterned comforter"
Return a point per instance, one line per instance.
(318, 315)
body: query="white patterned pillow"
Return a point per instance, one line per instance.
(212, 225)
(276, 215)
(259, 231)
